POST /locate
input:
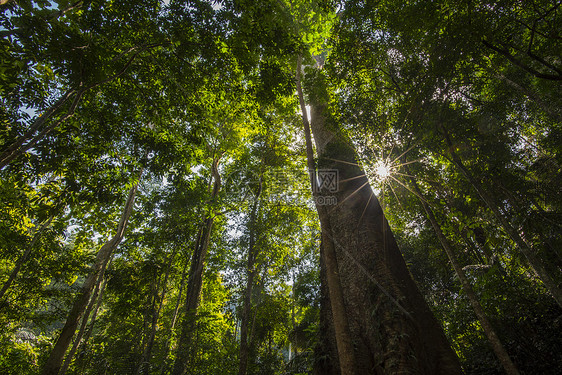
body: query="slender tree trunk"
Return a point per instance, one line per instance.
(22, 259)
(493, 338)
(523, 246)
(481, 247)
(174, 319)
(54, 362)
(147, 353)
(293, 322)
(392, 329)
(194, 284)
(90, 329)
(94, 301)
(195, 280)
(251, 269)
(244, 348)
(148, 316)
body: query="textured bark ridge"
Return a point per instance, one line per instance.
(392, 328)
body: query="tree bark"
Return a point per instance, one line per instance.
(523, 246)
(344, 344)
(326, 363)
(493, 338)
(251, 269)
(195, 280)
(392, 329)
(54, 362)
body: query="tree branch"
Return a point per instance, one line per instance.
(520, 64)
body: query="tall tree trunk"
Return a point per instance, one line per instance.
(54, 362)
(326, 362)
(392, 329)
(344, 344)
(529, 253)
(94, 304)
(195, 280)
(251, 269)
(493, 338)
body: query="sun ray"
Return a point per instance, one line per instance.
(405, 174)
(350, 195)
(404, 153)
(413, 192)
(416, 177)
(353, 178)
(393, 192)
(364, 210)
(409, 162)
(343, 161)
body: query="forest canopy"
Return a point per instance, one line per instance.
(280, 187)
